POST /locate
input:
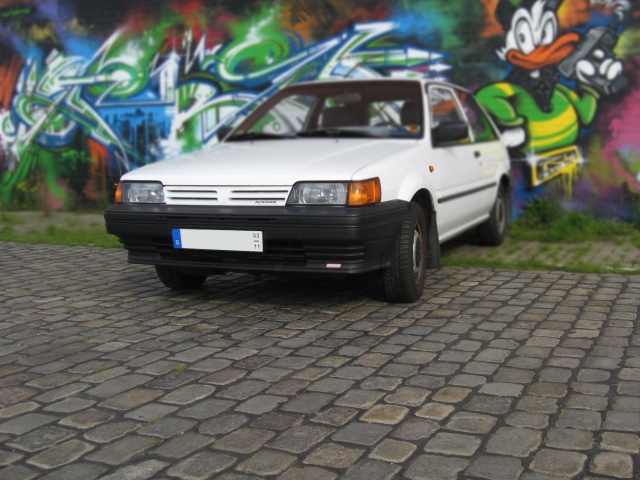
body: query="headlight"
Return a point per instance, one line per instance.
(138, 192)
(319, 194)
(366, 192)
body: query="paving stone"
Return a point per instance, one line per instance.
(308, 402)
(451, 394)
(131, 399)
(334, 456)
(202, 466)
(408, 396)
(336, 416)
(11, 395)
(435, 411)
(118, 385)
(569, 439)
(528, 420)
(558, 463)
(150, 411)
(206, 409)
(502, 389)
(7, 458)
(331, 385)
(188, 394)
(489, 404)
(18, 409)
(494, 467)
(77, 470)
(386, 414)
(620, 442)
(308, 473)
(26, 423)
(110, 432)
(167, 427)
(87, 419)
(393, 451)
(224, 377)
(60, 454)
(533, 404)
(380, 383)
(15, 472)
(40, 439)
(471, 423)
(453, 444)
(182, 445)
(223, 424)
(267, 463)
(277, 421)
(245, 440)
(260, 404)
(581, 419)
(361, 433)
(364, 399)
(618, 465)
(121, 451)
(415, 429)
(614, 420)
(436, 467)
(514, 442)
(372, 470)
(139, 471)
(300, 438)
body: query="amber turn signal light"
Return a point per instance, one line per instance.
(119, 192)
(367, 192)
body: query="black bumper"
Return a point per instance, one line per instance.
(295, 239)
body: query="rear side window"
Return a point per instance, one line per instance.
(480, 125)
(444, 107)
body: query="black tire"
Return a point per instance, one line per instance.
(493, 231)
(404, 278)
(176, 280)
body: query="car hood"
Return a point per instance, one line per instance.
(273, 162)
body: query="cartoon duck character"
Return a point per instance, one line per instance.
(539, 115)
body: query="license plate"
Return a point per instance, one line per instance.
(230, 240)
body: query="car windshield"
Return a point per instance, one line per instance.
(372, 109)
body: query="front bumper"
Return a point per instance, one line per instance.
(296, 239)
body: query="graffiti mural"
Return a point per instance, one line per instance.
(88, 92)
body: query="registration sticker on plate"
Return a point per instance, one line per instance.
(231, 240)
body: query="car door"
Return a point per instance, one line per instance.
(461, 197)
(487, 147)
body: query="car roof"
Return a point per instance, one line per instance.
(423, 81)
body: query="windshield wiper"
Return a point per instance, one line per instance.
(337, 132)
(257, 136)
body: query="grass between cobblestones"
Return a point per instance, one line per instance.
(14, 228)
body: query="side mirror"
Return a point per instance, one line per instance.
(448, 132)
(223, 132)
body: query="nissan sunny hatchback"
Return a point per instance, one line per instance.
(338, 177)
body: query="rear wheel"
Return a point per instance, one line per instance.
(176, 280)
(493, 231)
(404, 278)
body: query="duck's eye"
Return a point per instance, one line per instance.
(524, 37)
(548, 32)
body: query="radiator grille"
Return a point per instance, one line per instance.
(217, 195)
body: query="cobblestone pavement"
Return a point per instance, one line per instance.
(492, 375)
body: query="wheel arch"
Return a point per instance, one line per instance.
(423, 198)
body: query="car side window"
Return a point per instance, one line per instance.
(445, 110)
(480, 125)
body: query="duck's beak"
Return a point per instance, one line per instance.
(545, 55)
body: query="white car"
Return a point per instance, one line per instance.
(340, 177)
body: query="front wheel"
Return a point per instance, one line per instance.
(404, 278)
(493, 231)
(176, 280)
